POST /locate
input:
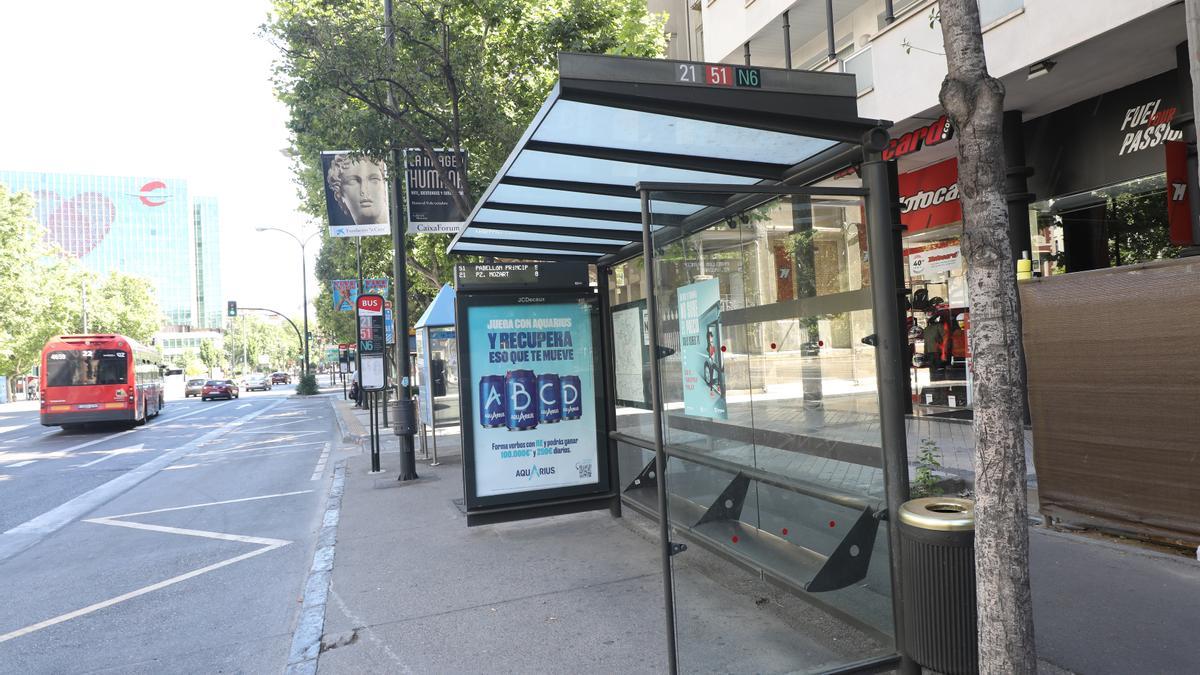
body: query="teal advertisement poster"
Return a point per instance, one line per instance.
(535, 420)
(700, 349)
(345, 294)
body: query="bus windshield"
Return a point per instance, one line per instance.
(86, 367)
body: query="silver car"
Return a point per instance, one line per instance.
(193, 388)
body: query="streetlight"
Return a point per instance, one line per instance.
(303, 279)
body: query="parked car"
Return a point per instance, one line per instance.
(258, 381)
(193, 388)
(219, 389)
(281, 378)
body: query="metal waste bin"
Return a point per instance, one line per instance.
(937, 548)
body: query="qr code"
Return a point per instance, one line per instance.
(585, 469)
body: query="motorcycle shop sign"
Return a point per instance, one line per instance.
(929, 196)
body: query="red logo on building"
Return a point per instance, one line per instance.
(938, 132)
(147, 192)
(930, 196)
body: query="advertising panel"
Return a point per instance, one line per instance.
(631, 365)
(533, 371)
(375, 286)
(356, 194)
(345, 294)
(935, 261)
(700, 349)
(431, 209)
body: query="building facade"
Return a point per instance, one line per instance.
(141, 225)
(1093, 94)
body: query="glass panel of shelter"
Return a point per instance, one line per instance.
(770, 419)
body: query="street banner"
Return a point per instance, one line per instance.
(375, 286)
(370, 342)
(430, 207)
(387, 324)
(700, 347)
(533, 380)
(345, 294)
(356, 194)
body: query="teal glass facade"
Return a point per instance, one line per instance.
(141, 225)
(206, 237)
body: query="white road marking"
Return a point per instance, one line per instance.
(244, 405)
(267, 544)
(34, 530)
(321, 463)
(81, 446)
(113, 453)
(205, 408)
(17, 464)
(205, 534)
(196, 506)
(132, 594)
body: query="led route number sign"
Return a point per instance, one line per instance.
(717, 75)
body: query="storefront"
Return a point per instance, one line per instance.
(1098, 194)
(752, 342)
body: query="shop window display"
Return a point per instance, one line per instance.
(938, 316)
(1123, 224)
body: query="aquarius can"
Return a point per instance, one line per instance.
(521, 408)
(491, 401)
(572, 401)
(549, 398)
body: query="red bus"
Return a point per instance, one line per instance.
(99, 378)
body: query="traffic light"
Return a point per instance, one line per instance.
(232, 311)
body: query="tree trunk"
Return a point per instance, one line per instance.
(974, 101)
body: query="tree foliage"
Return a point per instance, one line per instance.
(42, 292)
(249, 337)
(464, 75)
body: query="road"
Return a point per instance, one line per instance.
(179, 546)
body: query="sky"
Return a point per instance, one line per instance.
(169, 88)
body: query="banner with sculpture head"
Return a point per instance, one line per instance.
(356, 194)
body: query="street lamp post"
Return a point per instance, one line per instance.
(303, 279)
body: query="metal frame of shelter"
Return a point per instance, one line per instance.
(702, 142)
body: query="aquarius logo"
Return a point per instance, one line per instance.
(533, 472)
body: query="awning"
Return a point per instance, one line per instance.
(440, 312)
(567, 190)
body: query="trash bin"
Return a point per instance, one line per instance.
(404, 417)
(937, 548)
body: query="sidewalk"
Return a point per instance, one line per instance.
(414, 590)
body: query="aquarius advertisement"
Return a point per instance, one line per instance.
(700, 349)
(535, 417)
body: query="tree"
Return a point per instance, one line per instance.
(39, 288)
(210, 356)
(122, 303)
(465, 75)
(974, 102)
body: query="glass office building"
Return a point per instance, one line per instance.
(141, 225)
(206, 236)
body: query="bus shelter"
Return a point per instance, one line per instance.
(744, 234)
(437, 364)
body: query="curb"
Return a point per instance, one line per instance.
(350, 428)
(306, 640)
